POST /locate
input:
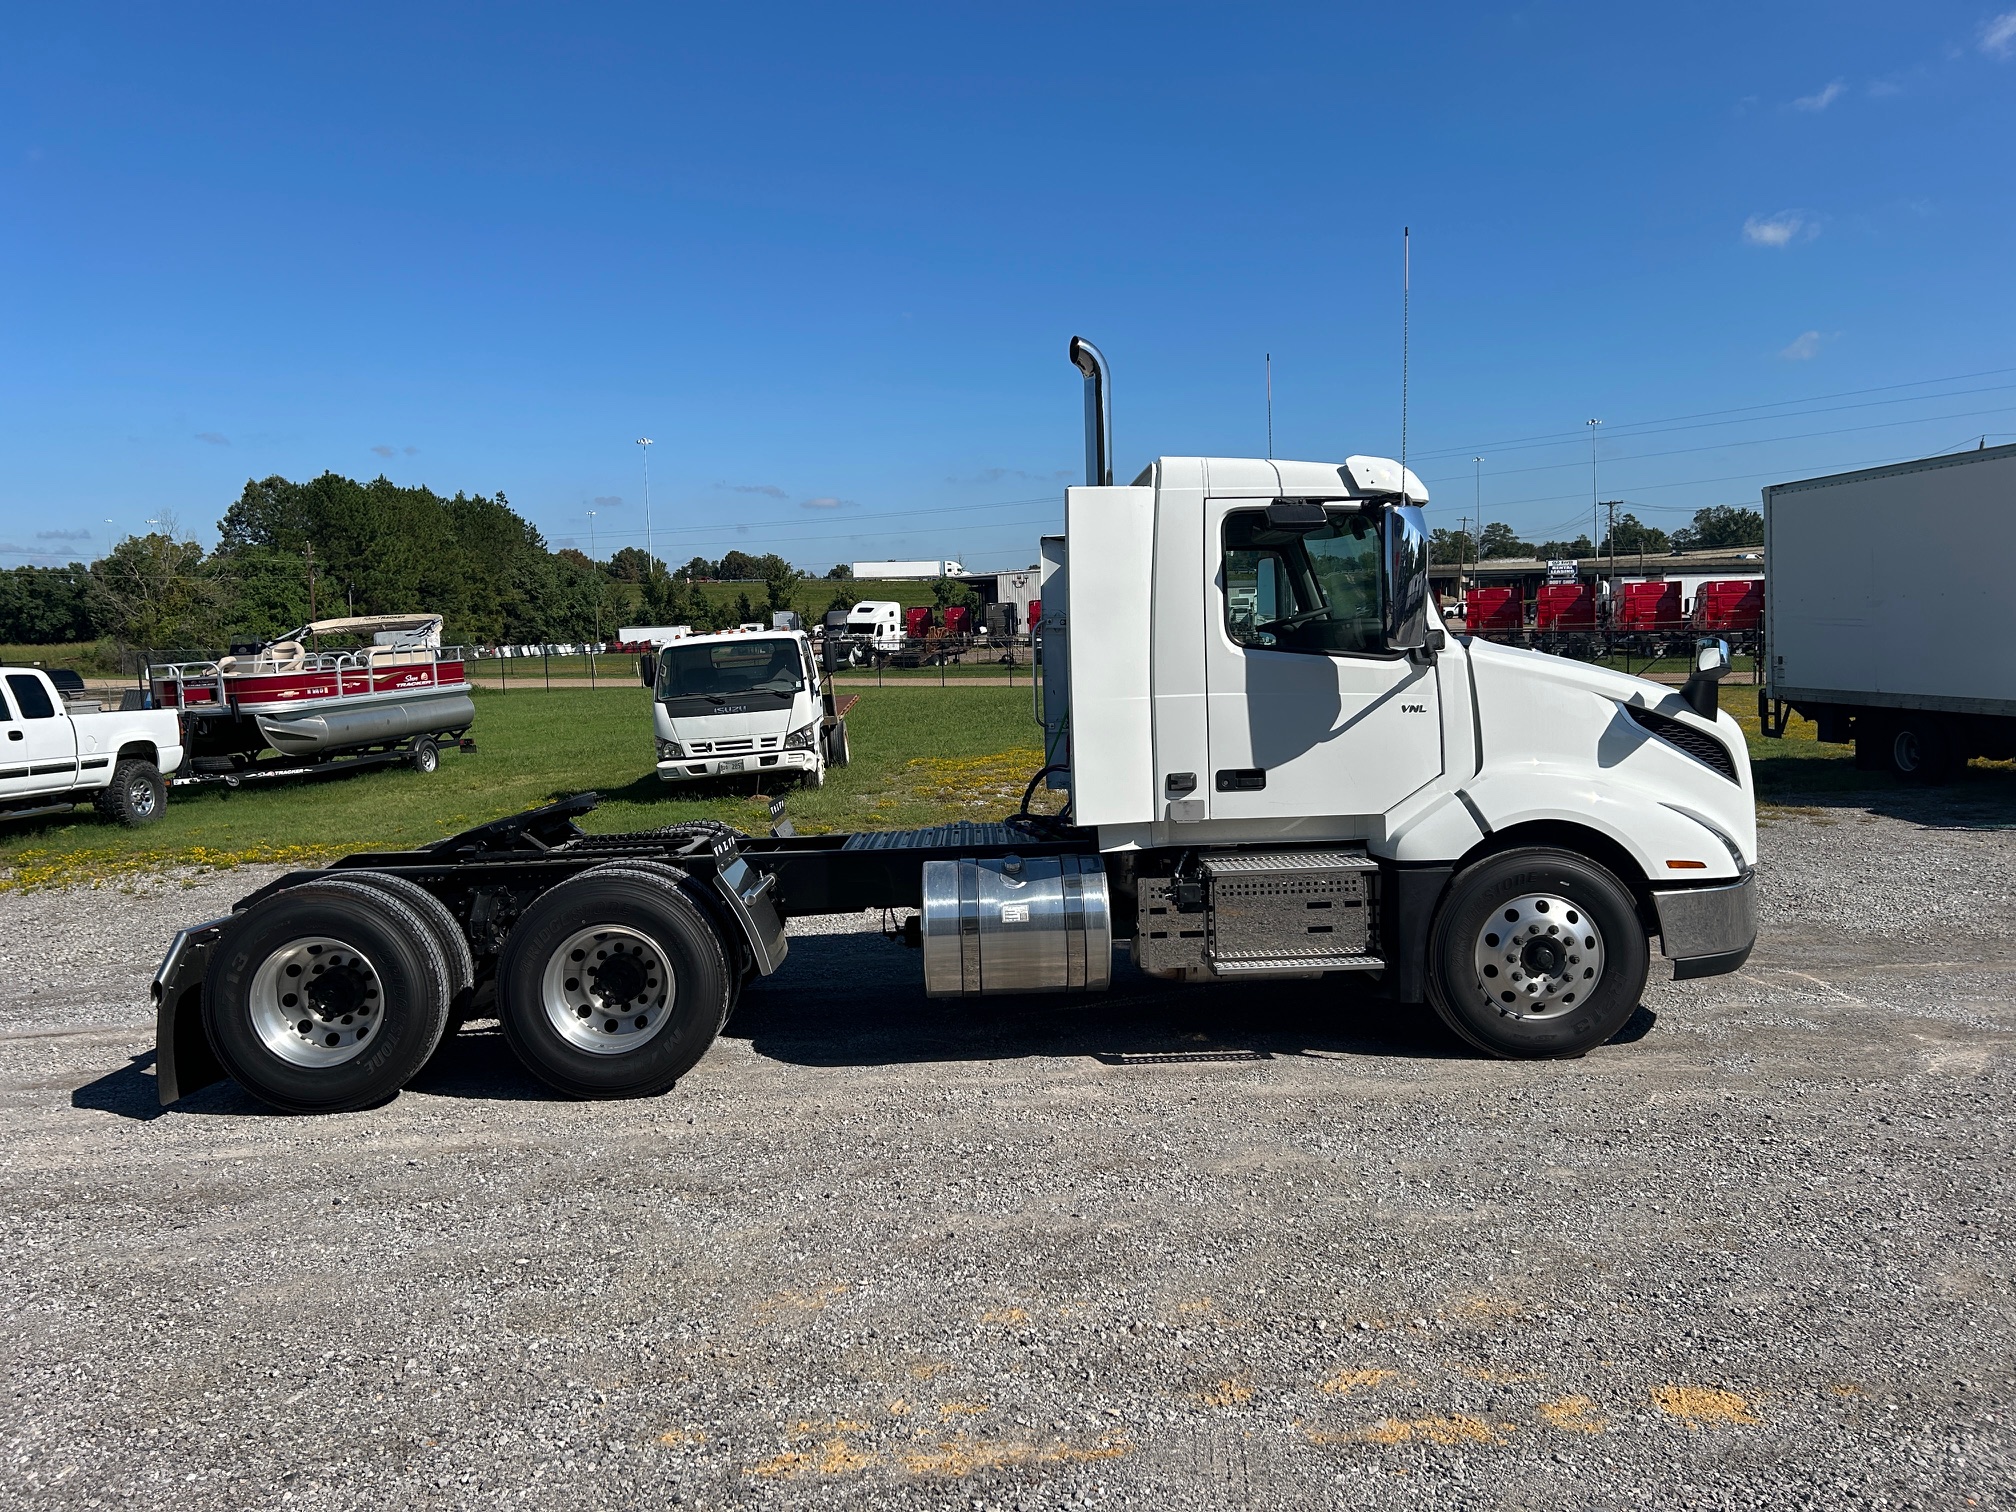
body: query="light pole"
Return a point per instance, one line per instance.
(650, 556)
(591, 535)
(598, 588)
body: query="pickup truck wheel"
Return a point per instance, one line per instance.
(135, 796)
(613, 985)
(326, 997)
(425, 756)
(1536, 953)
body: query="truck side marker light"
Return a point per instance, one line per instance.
(1687, 866)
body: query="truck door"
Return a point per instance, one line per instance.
(40, 747)
(1310, 714)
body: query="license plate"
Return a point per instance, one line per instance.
(731, 766)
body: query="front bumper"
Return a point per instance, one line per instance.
(700, 768)
(1707, 931)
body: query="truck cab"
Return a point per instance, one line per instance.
(743, 702)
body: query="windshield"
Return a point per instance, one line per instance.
(730, 669)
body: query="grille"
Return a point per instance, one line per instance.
(738, 747)
(1699, 744)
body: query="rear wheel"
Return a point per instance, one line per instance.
(326, 997)
(1536, 953)
(447, 934)
(425, 755)
(613, 984)
(1921, 749)
(135, 796)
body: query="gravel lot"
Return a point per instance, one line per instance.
(1212, 1248)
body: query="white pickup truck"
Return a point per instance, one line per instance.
(62, 747)
(743, 702)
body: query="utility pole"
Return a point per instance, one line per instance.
(1612, 507)
(1594, 507)
(650, 555)
(1479, 461)
(1462, 540)
(311, 582)
(598, 589)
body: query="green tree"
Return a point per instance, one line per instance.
(43, 605)
(152, 591)
(1452, 546)
(1549, 551)
(630, 565)
(840, 572)
(1500, 540)
(1721, 527)
(738, 567)
(1632, 535)
(945, 594)
(780, 581)
(699, 570)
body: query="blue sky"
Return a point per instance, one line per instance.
(829, 257)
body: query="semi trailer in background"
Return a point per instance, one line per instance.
(1275, 765)
(1887, 610)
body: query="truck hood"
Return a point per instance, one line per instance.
(1489, 656)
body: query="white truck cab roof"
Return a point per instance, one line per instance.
(1278, 478)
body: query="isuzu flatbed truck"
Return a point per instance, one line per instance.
(1277, 764)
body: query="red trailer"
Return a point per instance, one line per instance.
(1649, 608)
(916, 623)
(956, 617)
(1494, 611)
(1735, 604)
(1035, 615)
(1565, 606)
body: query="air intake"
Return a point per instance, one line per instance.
(1699, 744)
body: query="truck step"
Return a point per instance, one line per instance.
(1242, 963)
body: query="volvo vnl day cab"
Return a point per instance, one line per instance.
(743, 702)
(1277, 765)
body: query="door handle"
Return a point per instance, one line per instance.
(1241, 780)
(14, 735)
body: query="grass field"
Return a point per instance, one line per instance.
(921, 756)
(918, 758)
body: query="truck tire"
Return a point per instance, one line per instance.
(613, 984)
(1920, 748)
(354, 965)
(836, 744)
(815, 778)
(135, 796)
(1536, 953)
(425, 756)
(448, 935)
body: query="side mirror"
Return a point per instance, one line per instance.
(647, 670)
(1711, 665)
(1407, 594)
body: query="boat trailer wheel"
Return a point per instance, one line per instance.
(1539, 956)
(606, 989)
(316, 1001)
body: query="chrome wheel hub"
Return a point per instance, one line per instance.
(606, 990)
(1538, 957)
(317, 1001)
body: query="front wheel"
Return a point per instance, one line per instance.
(1536, 953)
(836, 744)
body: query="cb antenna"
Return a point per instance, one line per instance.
(1406, 295)
(1270, 406)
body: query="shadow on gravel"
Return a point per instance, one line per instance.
(478, 1063)
(1979, 798)
(128, 1092)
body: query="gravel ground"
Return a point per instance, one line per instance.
(1208, 1248)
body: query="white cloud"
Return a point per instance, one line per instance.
(213, 438)
(608, 501)
(1998, 37)
(825, 502)
(1780, 230)
(1824, 98)
(768, 490)
(386, 451)
(1803, 348)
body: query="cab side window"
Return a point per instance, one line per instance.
(32, 696)
(1315, 591)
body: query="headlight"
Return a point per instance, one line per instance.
(806, 739)
(668, 750)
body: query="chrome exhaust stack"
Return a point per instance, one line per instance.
(1098, 412)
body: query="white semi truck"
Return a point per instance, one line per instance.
(1886, 610)
(1278, 765)
(63, 747)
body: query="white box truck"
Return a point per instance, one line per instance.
(1279, 765)
(743, 702)
(1886, 610)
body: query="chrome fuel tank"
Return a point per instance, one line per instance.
(1016, 924)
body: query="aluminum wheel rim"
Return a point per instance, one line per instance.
(140, 794)
(317, 1001)
(606, 989)
(1539, 957)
